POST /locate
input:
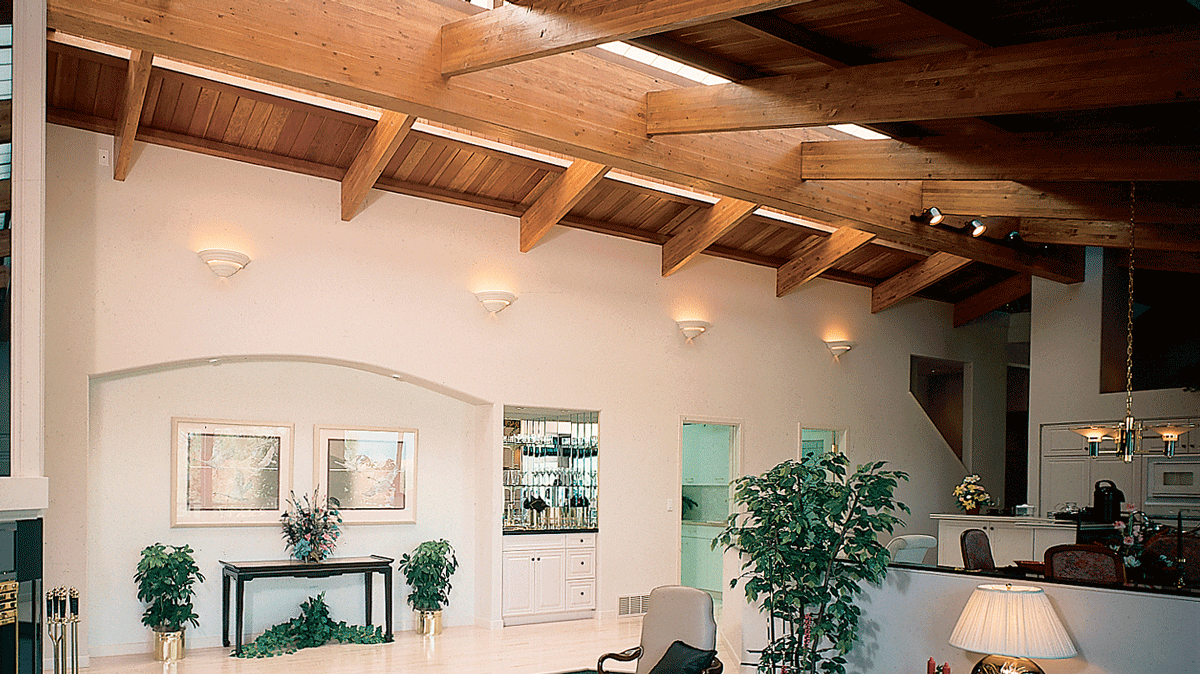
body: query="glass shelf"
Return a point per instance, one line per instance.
(550, 469)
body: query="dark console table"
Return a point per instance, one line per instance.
(242, 572)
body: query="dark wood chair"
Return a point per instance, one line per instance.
(976, 550)
(1169, 547)
(676, 613)
(1084, 562)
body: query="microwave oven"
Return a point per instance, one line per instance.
(1173, 481)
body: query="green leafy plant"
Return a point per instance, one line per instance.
(165, 575)
(427, 571)
(808, 537)
(312, 628)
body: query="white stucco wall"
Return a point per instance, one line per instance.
(593, 328)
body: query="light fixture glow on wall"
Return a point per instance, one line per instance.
(931, 216)
(977, 228)
(224, 262)
(495, 301)
(692, 329)
(838, 347)
(1010, 624)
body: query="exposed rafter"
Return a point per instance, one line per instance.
(381, 146)
(1031, 157)
(1068, 201)
(1110, 234)
(5, 195)
(512, 34)
(990, 299)
(915, 279)
(702, 230)
(1071, 73)
(136, 79)
(573, 104)
(580, 177)
(817, 257)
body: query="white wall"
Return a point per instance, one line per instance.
(129, 493)
(593, 328)
(1064, 373)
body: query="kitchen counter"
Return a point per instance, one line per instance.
(1011, 538)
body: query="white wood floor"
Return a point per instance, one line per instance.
(527, 649)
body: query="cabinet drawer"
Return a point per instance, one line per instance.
(581, 563)
(581, 540)
(533, 541)
(581, 594)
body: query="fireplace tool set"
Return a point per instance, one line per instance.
(62, 623)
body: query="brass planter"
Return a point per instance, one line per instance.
(428, 623)
(168, 646)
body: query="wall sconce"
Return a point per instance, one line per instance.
(692, 329)
(977, 227)
(495, 301)
(839, 346)
(931, 216)
(224, 262)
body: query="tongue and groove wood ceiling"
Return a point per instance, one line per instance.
(1035, 117)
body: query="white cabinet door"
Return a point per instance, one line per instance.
(1048, 538)
(949, 548)
(1009, 543)
(1065, 479)
(517, 586)
(550, 581)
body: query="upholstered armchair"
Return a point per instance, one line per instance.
(676, 614)
(910, 548)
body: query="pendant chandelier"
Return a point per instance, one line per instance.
(1128, 434)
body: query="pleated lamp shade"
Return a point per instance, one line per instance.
(1012, 620)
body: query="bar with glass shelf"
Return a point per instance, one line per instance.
(550, 470)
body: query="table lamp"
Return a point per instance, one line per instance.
(1011, 624)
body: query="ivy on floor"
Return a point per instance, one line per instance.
(312, 628)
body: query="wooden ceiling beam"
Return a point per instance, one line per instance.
(1110, 234)
(512, 34)
(1029, 157)
(5, 242)
(992, 298)
(554, 204)
(814, 45)
(915, 279)
(575, 104)
(379, 148)
(5, 195)
(1068, 74)
(818, 257)
(702, 230)
(133, 97)
(697, 58)
(1067, 201)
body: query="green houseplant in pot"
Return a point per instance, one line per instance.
(427, 571)
(807, 533)
(165, 576)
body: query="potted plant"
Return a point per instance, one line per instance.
(165, 575)
(427, 571)
(971, 495)
(807, 534)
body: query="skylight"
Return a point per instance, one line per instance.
(858, 131)
(663, 63)
(6, 86)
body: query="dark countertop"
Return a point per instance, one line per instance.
(519, 532)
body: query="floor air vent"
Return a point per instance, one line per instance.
(633, 605)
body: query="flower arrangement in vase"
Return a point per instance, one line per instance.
(311, 528)
(971, 495)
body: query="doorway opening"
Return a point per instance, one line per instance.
(708, 450)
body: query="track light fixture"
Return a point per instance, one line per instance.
(977, 228)
(931, 216)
